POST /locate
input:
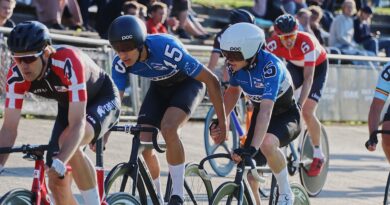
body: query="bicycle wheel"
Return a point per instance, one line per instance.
(300, 194)
(386, 200)
(117, 176)
(197, 189)
(121, 198)
(17, 197)
(226, 194)
(314, 185)
(221, 167)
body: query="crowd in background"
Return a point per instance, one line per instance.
(348, 32)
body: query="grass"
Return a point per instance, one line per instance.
(224, 3)
(383, 11)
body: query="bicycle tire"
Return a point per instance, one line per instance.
(200, 188)
(300, 194)
(17, 197)
(121, 198)
(274, 192)
(386, 199)
(117, 175)
(222, 167)
(314, 185)
(226, 189)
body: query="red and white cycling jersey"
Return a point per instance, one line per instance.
(71, 76)
(307, 51)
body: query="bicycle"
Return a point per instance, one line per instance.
(239, 189)
(297, 159)
(133, 176)
(39, 195)
(373, 136)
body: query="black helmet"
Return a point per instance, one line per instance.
(285, 24)
(28, 36)
(241, 16)
(127, 33)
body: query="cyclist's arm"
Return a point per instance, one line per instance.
(308, 75)
(8, 131)
(121, 94)
(214, 57)
(262, 122)
(215, 94)
(230, 98)
(72, 136)
(374, 114)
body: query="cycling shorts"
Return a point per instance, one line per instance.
(387, 115)
(319, 80)
(102, 113)
(285, 126)
(185, 95)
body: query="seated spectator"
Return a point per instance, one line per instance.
(363, 34)
(303, 17)
(6, 10)
(157, 15)
(315, 25)
(327, 8)
(135, 9)
(342, 31)
(265, 9)
(108, 12)
(292, 6)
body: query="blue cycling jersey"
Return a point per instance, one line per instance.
(166, 58)
(383, 85)
(267, 78)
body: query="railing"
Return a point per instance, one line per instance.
(355, 86)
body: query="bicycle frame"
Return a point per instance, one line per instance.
(39, 188)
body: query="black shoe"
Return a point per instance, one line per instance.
(175, 200)
(182, 34)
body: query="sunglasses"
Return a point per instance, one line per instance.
(233, 55)
(28, 59)
(290, 36)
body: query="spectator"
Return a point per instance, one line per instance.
(303, 17)
(327, 15)
(315, 25)
(157, 15)
(269, 10)
(6, 10)
(363, 34)
(135, 9)
(292, 6)
(108, 12)
(342, 31)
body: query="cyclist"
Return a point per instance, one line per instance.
(308, 65)
(88, 105)
(381, 94)
(176, 89)
(276, 117)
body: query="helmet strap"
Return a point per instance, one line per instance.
(44, 68)
(140, 49)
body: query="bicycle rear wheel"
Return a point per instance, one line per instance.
(17, 197)
(226, 194)
(386, 200)
(300, 194)
(221, 167)
(198, 190)
(314, 185)
(119, 175)
(121, 198)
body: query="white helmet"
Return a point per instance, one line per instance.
(242, 37)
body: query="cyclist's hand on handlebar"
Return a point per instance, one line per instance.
(239, 152)
(218, 132)
(371, 143)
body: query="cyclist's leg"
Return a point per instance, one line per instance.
(60, 188)
(385, 137)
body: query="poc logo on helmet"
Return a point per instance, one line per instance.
(127, 37)
(235, 48)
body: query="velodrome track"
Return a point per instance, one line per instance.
(356, 176)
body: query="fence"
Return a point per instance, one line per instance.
(347, 95)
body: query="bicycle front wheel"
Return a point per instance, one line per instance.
(386, 200)
(226, 193)
(314, 185)
(17, 197)
(121, 198)
(221, 167)
(300, 194)
(198, 190)
(118, 180)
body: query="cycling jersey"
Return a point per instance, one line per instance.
(307, 51)
(167, 62)
(69, 77)
(383, 85)
(267, 78)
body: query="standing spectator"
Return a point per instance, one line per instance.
(342, 31)
(6, 10)
(158, 14)
(315, 18)
(363, 34)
